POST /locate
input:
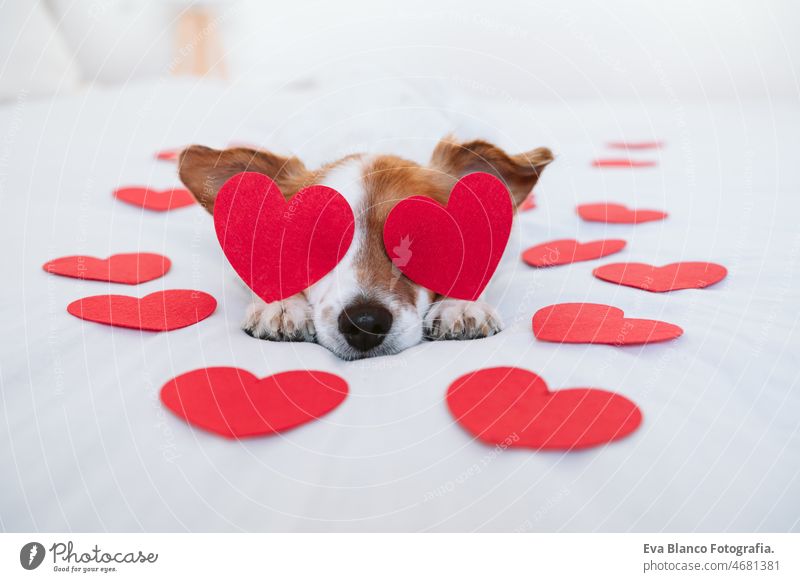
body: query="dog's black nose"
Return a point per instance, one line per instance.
(365, 325)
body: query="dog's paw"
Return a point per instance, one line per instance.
(454, 319)
(283, 321)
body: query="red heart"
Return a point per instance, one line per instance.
(280, 248)
(622, 163)
(562, 252)
(160, 200)
(593, 323)
(617, 214)
(127, 268)
(454, 249)
(513, 407)
(635, 145)
(528, 204)
(660, 279)
(169, 155)
(234, 403)
(159, 311)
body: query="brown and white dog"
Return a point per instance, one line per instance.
(365, 307)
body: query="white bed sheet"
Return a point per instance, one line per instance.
(85, 444)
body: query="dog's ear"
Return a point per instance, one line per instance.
(204, 170)
(519, 172)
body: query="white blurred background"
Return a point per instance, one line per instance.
(540, 49)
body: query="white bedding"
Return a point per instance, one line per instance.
(85, 444)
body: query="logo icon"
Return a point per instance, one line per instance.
(31, 555)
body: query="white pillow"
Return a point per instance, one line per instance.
(33, 57)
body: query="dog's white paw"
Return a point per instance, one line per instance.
(289, 320)
(454, 319)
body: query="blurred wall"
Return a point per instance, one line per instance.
(543, 49)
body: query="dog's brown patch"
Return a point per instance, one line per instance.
(204, 170)
(387, 181)
(520, 172)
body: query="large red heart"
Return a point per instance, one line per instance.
(689, 275)
(160, 311)
(617, 214)
(281, 247)
(593, 323)
(160, 200)
(126, 268)
(565, 251)
(622, 163)
(234, 403)
(454, 249)
(513, 407)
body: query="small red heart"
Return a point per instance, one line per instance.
(160, 200)
(528, 204)
(563, 252)
(617, 214)
(635, 145)
(593, 323)
(159, 311)
(234, 403)
(689, 275)
(281, 247)
(513, 407)
(622, 163)
(452, 250)
(126, 268)
(169, 155)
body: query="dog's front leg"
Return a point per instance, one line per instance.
(456, 319)
(289, 320)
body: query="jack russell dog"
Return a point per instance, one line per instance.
(365, 307)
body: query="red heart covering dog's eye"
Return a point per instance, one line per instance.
(235, 404)
(688, 275)
(563, 252)
(452, 250)
(617, 214)
(281, 247)
(622, 163)
(160, 311)
(593, 323)
(513, 407)
(160, 200)
(126, 268)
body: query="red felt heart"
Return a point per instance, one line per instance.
(160, 200)
(622, 163)
(617, 214)
(689, 275)
(513, 407)
(454, 249)
(234, 403)
(169, 155)
(528, 204)
(562, 252)
(127, 268)
(635, 145)
(160, 311)
(281, 247)
(593, 323)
